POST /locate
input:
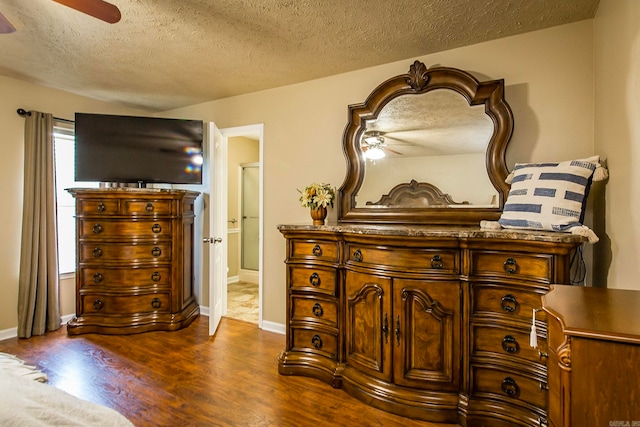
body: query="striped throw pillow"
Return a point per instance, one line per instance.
(548, 196)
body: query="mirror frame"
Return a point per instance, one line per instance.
(421, 80)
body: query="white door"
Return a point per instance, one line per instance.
(217, 163)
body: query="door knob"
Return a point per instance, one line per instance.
(212, 240)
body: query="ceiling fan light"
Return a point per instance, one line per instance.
(374, 153)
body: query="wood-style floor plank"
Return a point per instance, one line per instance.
(187, 378)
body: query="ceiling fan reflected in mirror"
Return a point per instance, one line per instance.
(374, 146)
(99, 9)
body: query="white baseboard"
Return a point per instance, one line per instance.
(233, 279)
(204, 311)
(13, 332)
(278, 328)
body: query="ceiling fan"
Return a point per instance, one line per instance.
(100, 9)
(374, 146)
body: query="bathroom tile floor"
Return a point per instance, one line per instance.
(242, 301)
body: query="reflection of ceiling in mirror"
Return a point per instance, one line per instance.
(439, 122)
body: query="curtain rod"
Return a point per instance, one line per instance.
(22, 112)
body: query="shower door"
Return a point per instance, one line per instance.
(250, 217)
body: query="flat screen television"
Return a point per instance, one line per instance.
(142, 150)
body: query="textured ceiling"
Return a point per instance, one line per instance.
(166, 54)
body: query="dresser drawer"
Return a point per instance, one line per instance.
(146, 207)
(405, 259)
(507, 301)
(125, 277)
(123, 229)
(314, 341)
(512, 387)
(512, 265)
(98, 206)
(308, 308)
(105, 252)
(97, 303)
(509, 342)
(314, 249)
(312, 278)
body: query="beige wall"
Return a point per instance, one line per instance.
(17, 94)
(617, 139)
(549, 84)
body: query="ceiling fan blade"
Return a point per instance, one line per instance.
(392, 151)
(5, 25)
(100, 9)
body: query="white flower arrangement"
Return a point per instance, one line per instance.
(316, 195)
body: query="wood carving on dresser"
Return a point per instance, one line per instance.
(135, 268)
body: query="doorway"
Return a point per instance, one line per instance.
(244, 201)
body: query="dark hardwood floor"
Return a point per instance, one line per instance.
(187, 378)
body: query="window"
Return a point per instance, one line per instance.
(64, 148)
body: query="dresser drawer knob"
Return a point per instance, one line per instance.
(543, 386)
(156, 303)
(314, 279)
(156, 251)
(155, 277)
(97, 253)
(509, 303)
(510, 266)
(317, 250)
(509, 387)
(101, 207)
(149, 207)
(541, 355)
(436, 262)
(316, 342)
(98, 304)
(156, 228)
(317, 310)
(97, 278)
(97, 228)
(357, 255)
(510, 345)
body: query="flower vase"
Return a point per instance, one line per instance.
(318, 215)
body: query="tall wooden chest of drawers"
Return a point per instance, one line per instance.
(427, 322)
(134, 253)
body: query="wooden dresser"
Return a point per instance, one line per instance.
(427, 322)
(594, 356)
(134, 256)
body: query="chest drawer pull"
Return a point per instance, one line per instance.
(510, 345)
(98, 304)
(541, 355)
(156, 303)
(97, 229)
(149, 207)
(97, 278)
(314, 279)
(101, 207)
(317, 310)
(436, 262)
(317, 250)
(510, 387)
(156, 251)
(509, 303)
(156, 228)
(510, 266)
(398, 331)
(97, 253)
(316, 341)
(357, 255)
(155, 277)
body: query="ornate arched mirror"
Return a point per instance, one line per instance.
(427, 147)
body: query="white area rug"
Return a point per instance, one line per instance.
(14, 366)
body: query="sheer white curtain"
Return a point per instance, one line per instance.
(38, 292)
